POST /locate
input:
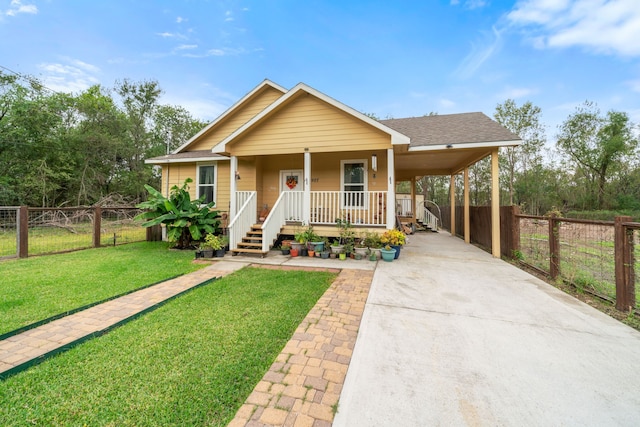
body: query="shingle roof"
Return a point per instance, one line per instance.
(186, 156)
(451, 129)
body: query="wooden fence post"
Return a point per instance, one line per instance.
(625, 292)
(22, 234)
(97, 226)
(554, 246)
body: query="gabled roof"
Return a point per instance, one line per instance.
(230, 110)
(396, 137)
(459, 130)
(186, 156)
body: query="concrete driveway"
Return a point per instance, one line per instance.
(451, 337)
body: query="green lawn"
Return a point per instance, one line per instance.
(191, 362)
(37, 288)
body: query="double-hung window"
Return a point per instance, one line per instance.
(353, 183)
(207, 182)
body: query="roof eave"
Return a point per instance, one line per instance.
(466, 145)
(187, 160)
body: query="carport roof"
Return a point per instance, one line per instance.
(446, 129)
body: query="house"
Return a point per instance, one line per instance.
(307, 158)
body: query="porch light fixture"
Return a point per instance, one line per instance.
(449, 145)
(374, 162)
(237, 176)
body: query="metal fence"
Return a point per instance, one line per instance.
(8, 231)
(581, 252)
(36, 231)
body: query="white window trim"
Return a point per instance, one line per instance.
(215, 180)
(366, 183)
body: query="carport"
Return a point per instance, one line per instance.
(450, 145)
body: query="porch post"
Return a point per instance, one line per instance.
(495, 205)
(391, 190)
(306, 198)
(467, 218)
(452, 202)
(233, 187)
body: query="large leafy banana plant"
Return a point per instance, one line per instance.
(187, 221)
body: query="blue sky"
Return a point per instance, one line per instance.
(390, 58)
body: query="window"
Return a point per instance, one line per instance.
(207, 182)
(354, 183)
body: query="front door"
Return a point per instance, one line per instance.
(292, 181)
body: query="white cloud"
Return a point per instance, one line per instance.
(480, 54)
(634, 85)
(228, 16)
(446, 103)
(186, 47)
(516, 93)
(470, 4)
(71, 76)
(602, 26)
(180, 20)
(168, 35)
(17, 7)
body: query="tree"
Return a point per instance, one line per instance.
(186, 220)
(523, 121)
(140, 101)
(597, 145)
(173, 126)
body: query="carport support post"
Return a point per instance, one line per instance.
(467, 218)
(452, 195)
(495, 205)
(625, 288)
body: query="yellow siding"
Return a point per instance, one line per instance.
(308, 122)
(325, 170)
(222, 187)
(176, 174)
(240, 116)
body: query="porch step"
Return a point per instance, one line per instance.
(251, 243)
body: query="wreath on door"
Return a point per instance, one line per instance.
(292, 182)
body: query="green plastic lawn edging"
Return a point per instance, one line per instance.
(26, 365)
(75, 310)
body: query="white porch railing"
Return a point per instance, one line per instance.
(245, 217)
(360, 208)
(242, 197)
(430, 219)
(288, 207)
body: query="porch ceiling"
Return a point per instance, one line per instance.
(447, 161)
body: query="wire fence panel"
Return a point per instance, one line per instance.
(587, 256)
(119, 227)
(8, 231)
(59, 230)
(534, 242)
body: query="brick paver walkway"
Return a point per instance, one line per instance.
(33, 345)
(302, 387)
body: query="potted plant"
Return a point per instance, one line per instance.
(215, 244)
(388, 253)
(286, 249)
(360, 247)
(394, 238)
(294, 251)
